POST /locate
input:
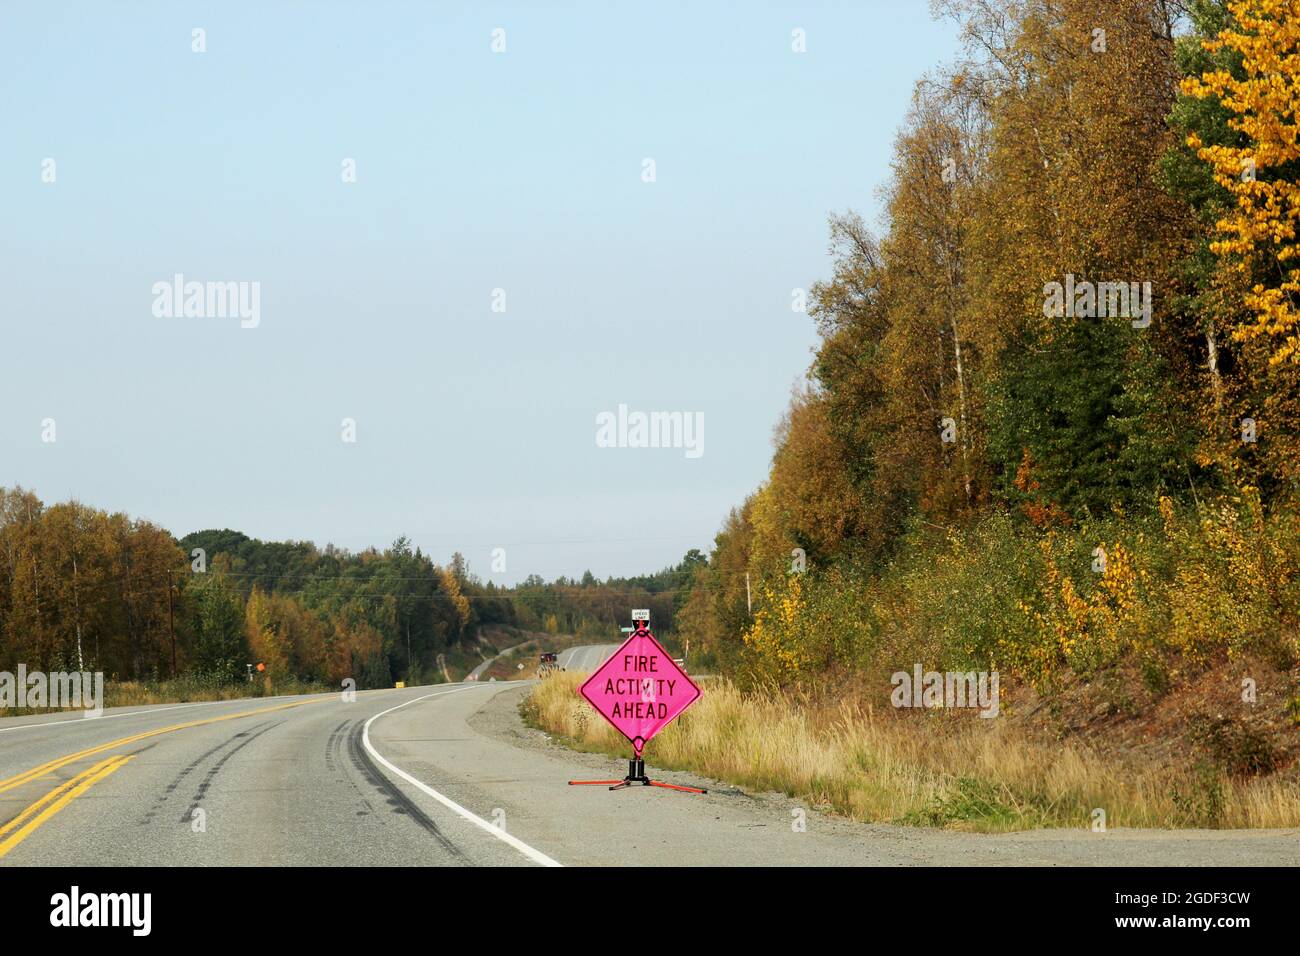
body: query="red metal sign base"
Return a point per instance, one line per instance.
(635, 774)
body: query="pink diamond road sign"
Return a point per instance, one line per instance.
(640, 690)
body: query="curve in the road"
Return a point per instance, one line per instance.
(587, 657)
(537, 856)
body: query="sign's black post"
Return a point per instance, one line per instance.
(636, 774)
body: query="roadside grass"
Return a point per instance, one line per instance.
(184, 690)
(934, 769)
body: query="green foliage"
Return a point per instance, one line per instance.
(1093, 406)
(80, 586)
(972, 803)
(220, 651)
(1171, 591)
(963, 455)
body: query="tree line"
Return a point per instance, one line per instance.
(83, 589)
(962, 418)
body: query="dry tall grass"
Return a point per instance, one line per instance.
(936, 770)
(186, 690)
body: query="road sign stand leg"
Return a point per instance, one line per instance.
(635, 774)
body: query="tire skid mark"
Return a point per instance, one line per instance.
(50, 766)
(189, 769)
(332, 748)
(249, 736)
(399, 801)
(334, 761)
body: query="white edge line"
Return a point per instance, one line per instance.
(87, 721)
(537, 856)
(145, 709)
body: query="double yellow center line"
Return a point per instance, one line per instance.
(33, 816)
(21, 826)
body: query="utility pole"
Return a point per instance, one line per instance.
(171, 624)
(76, 600)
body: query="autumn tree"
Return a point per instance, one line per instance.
(932, 356)
(1239, 172)
(808, 506)
(716, 612)
(1077, 93)
(1261, 173)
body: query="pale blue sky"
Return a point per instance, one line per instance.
(475, 171)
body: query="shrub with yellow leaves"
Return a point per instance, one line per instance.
(1236, 585)
(1084, 628)
(776, 644)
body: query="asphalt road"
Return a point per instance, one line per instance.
(586, 658)
(450, 777)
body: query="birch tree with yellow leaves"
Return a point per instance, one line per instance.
(1258, 236)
